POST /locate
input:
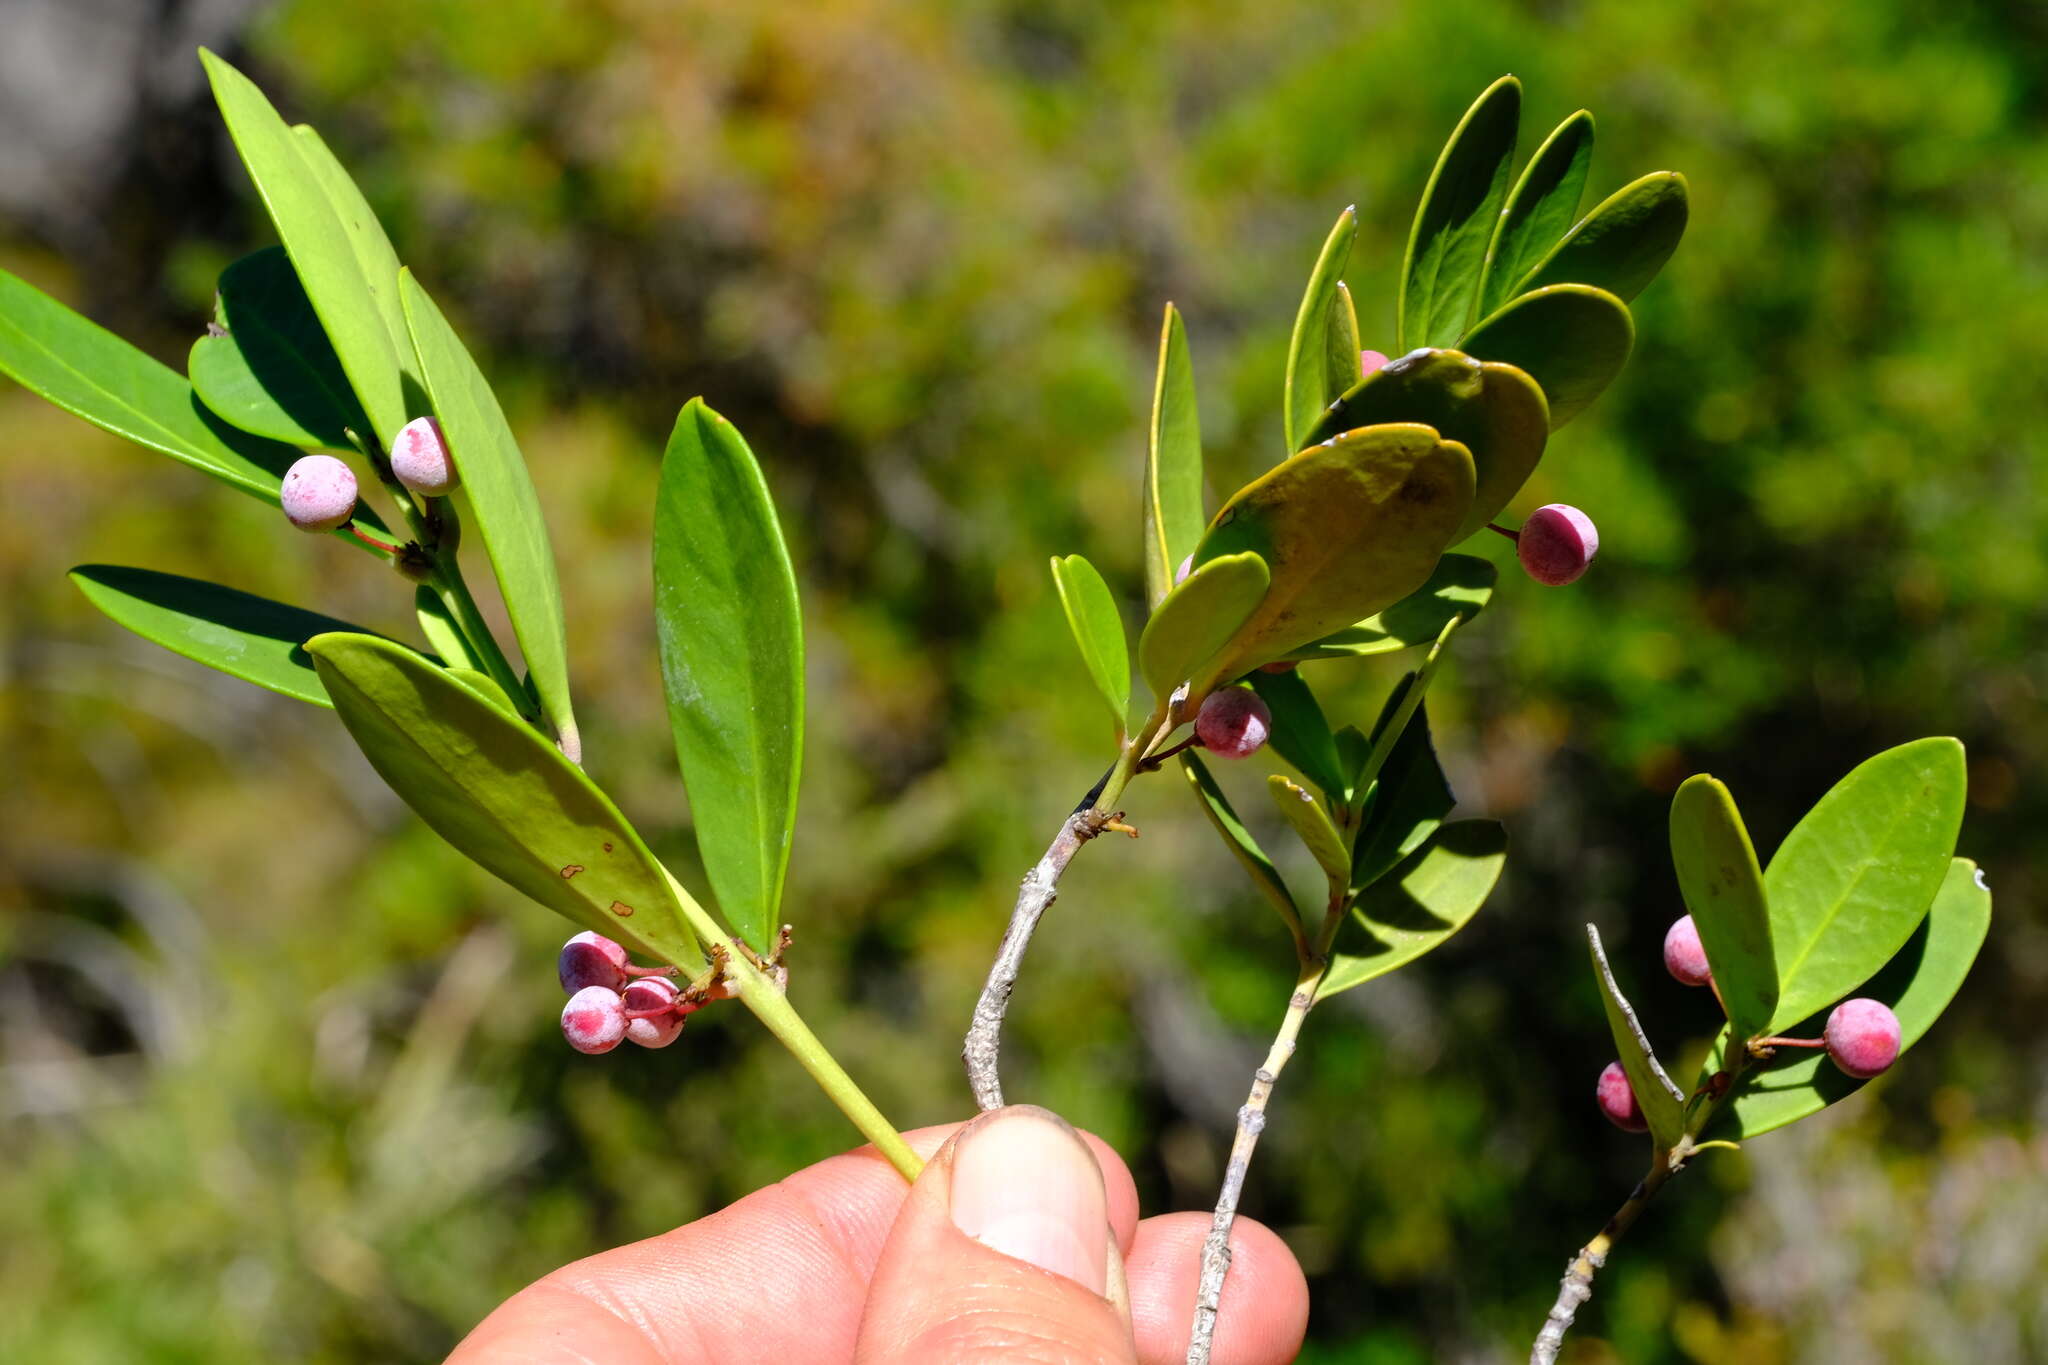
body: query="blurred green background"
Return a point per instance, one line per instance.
(280, 1076)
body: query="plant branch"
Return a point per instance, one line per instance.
(1577, 1285)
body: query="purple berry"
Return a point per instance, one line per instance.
(1556, 544)
(1684, 957)
(1863, 1037)
(319, 493)
(419, 458)
(1368, 361)
(1233, 723)
(660, 1028)
(594, 1020)
(1618, 1100)
(591, 959)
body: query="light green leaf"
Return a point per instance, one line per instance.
(1238, 839)
(485, 686)
(1539, 209)
(266, 367)
(1455, 221)
(1426, 900)
(252, 638)
(1311, 824)
(1308, 350)
(1724, 891)
(1854, 876)
(1098, 633)
(502, 504)
(1408, 800)
(1457, 590)
(1622, 244)
(1918, 984)
(502, 795)
(1662, 1103)
(1342, 350)
(1571, 339)
(1173, 467)
(1300, 734)
(732, 663)
(442, 633)
(1199, 617)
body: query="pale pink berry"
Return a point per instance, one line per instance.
(655, 999)
(1368, 361)
(591, 959)
(1233, 723)
(1684, 958)
(1863, 1037)
(1180, 575)
(419, 458)
(319, 493)
(594, 1020)
(1556, 544)
(1618, 1100)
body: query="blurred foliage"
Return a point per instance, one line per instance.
(279, 1076)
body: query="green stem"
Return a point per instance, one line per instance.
(453, 590)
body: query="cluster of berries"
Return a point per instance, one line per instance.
(612, 1001)
(1861, 1036)
(320, 492)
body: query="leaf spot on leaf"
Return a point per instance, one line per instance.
(621, 909)
(571, 870)
(607, 847)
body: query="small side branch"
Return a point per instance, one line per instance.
(1577, 1285)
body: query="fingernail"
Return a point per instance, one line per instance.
(1026, 1185)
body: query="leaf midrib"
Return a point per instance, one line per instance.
(1820, 928)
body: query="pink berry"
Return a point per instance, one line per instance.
(1368, 361)
(1556, 544)
(319, 493)
(591, 959)
(594, 1020)
(1684, 958)
(1863, 1037)
(656, 993)
(1233, 723)
(419, 458)
(1618, 1100)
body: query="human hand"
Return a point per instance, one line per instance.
(1020, 1240)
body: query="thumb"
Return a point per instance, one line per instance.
(1003, 1250)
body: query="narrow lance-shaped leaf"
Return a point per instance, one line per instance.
(1662, 1104)
(1199, 617)
(1173, 465)
(502, 504)
(1300, 733)
(1539, 210)
(1724, 891)
(1854, 876)
(266, 367)
(1571, 339)
(501, 795)
(442, 633)
(1216, 806)
(1457, 590)
(1311, 824)
(1308, 391)
(1098, 630)
(1426, 900)
(732, 663)
(1455, 221)
(1409, 799)
(1342, 350)
(1622, 244)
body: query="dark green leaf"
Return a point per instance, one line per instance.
(1311, 824)
(1622, 244)
(1409, 799)
(732, 663)
(1239, 839)
(1457, 590)
(1455, 221)
(1308, 350)
(1661, 1101)
(1173, 468)
(1199, 617)
(1539, 209)
(1300, 734)
(1098, 632)
(267, 367)
(1724, 891)
(1571, 339)
(1426, 900)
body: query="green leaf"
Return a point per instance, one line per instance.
(732, 663)
(1346, 529)
(1854, 876)
(1622, 244)
(1300, 733)
(1662, 1103)
(1098, 632)
(485, 686)
(1238, 839)
(252, 638)
(1918, 985)
(1571, 339)
(502, 504)
(1342, 350)
(1539, 209)
(90, 372)
(1308, 350)
(1173, 466)
(1311, 824)
(442, 633)
(1724, 891)
(1457, 590)
(1455, 221)
(1409, 799)
(503, 796)
(266, 367)
(1199, 617)
(1427, 899)
(1495, 411)
(342, 258)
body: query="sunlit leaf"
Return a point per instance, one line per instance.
(1455, 221)
(1300, 733)
(1238, 839)
(1199, 617)
(1622, 244)
(1661, 1102)
(1457, 590)
(1539, 210)
(1173, 466)
(1308, 391)
(1098, 630)
(1724, 892)
(1311, 824)
(442, 633)
(1342, 350)
(266, 367)
(1421, 904)
(1571, 339)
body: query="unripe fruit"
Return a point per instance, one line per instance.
(591, 959)
(319, 493)
(419, 458)
(1863, 1037)
(1368, 361)
(1684, 957)
(1556, 544)
(1233, 723)
(1618, 1100)
(594, 1020)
